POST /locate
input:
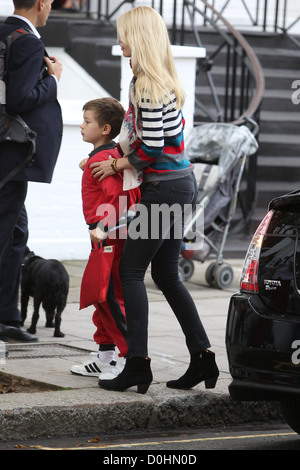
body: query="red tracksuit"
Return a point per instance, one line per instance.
(104, 202)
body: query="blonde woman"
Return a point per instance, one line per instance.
(152, 142)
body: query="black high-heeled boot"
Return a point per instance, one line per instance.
(202, 367)
(136, 372)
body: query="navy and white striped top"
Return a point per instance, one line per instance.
(161, 154)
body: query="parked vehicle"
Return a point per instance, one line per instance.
(263, 325)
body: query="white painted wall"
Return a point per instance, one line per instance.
(57, 228)
(6, 7)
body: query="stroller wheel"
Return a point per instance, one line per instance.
(209, 275)
(187, 268)
(223, 276)
(220, 276)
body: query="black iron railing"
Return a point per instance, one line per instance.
(243, 84)
(269, 16)
(98, 9)
(265, 14)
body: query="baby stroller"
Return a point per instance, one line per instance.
(218, 152)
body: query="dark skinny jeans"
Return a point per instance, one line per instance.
(163, 253)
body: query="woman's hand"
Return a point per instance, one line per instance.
(102, 170)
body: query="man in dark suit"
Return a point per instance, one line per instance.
(31, 92)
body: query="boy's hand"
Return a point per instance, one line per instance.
(97, 235)
(83, 163)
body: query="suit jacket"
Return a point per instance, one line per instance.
(31, 93)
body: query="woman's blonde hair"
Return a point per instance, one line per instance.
(144, 31)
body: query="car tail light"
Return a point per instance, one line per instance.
(248, 280)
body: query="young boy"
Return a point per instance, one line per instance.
(103, 205)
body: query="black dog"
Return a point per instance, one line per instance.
(47, 281)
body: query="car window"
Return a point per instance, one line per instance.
(284, 223)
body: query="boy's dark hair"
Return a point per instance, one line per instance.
(107, 111)
(27, 4)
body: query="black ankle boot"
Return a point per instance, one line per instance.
(136, 372)
(202, 367)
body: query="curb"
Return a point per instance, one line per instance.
(77, 412)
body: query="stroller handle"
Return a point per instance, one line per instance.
(253, 123)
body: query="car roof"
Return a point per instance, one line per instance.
(289, 199)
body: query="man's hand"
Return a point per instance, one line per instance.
(54, 66)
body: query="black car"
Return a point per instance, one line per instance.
(263, 325)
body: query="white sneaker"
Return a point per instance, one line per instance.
(114, 372)
(93, 368)
(109, 375)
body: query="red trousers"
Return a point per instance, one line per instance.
(109, 316)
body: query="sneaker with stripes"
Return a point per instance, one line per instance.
(114, 372)
(93, 367)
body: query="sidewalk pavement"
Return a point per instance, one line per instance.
(66, 404)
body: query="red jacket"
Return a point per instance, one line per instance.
(105, 201)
